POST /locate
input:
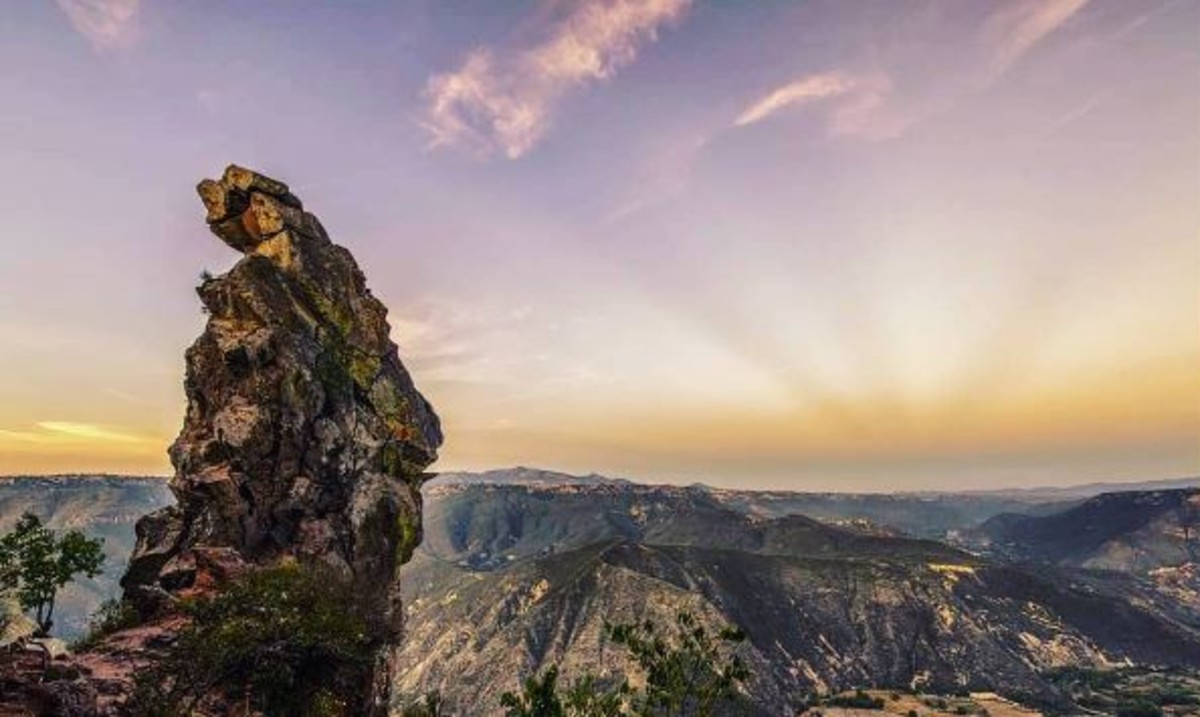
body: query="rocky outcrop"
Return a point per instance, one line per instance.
(304, 436)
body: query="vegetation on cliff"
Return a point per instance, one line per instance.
(692, 672)
(289, 641)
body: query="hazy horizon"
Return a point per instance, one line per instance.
(802, 245)
(1184, 482)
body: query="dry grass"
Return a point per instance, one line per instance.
(895, 703)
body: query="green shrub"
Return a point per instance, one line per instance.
(286, 641)
(1176, 696)
(112, 615)
(1139, 709)
(859, 700)
(539, 697)
(692, 672)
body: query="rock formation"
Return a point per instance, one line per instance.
(304, 436)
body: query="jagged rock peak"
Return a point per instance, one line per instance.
(304, 438)
(246, 208)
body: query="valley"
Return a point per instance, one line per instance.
(520, 569)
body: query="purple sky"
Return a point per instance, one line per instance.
(869, 245)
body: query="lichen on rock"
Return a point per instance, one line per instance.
(304, 438)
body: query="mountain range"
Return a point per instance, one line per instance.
(989, 591)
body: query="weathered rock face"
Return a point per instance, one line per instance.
(304, 436)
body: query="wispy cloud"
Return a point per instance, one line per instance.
(663, 172)
(453, 341)
(503, 100)
(1138, 21)
(1076, 113)
(87, 431)
(855, 105)
(105, 23)
(876, 105)
(125, 396)
(870, 112)
(58, 432)
(1017, 27)
(7, 436)
(814, 87)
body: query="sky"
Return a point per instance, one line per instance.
(823, 245)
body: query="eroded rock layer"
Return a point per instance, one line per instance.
(304, 436)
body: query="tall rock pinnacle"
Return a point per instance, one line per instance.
(304, 436)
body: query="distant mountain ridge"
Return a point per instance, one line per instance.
(929, 514)
(539, 476)
(521, 475)
(519, 568)
(1088, 490)
(1134, 531)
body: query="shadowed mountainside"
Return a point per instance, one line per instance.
(1133, 531)
(824, 608)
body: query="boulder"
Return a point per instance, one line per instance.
(52, 647)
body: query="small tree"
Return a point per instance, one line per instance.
(587, 698)
(691, 676)
(1189, 527)
(692, 673)
(539, 697)
(35, 563)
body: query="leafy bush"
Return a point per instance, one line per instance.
(1139, 709)
(690, 674)
(1176, 696)
(286, 641)
(35, 563)
(539, 697)
(689, 677)
(587, 697)
(112, 615)
(859, 700)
